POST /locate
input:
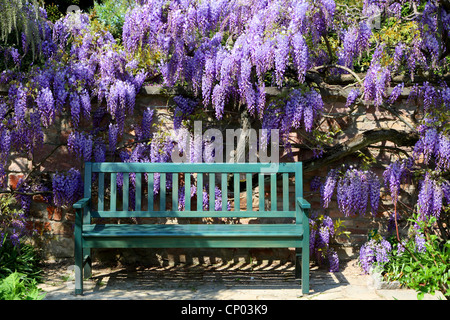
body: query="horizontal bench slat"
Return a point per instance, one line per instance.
(193, 214)
(193, 167)
(192, 242)
(193, 230)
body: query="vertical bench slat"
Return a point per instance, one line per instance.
(187, 192)
(273, 191)
(224, 192)
(101, 191)
(87, 189)
(298, 191)
(138, 192)
(261, 191)
(174, 191)
(212, 192)
(248, 179)
(125, 189)
(286, 191)
(237, 193)
(112, 205)
(150, 193)
(162, 192)
(199, 191)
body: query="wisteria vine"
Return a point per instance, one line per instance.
(225, 55)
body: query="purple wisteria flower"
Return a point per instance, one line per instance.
(20, 104)
(374, 253)
(396, 174)
(322, 229)
(333, 260)
(281, 57)
(355, 190)
(301, 55)
(352, 96)
(316, 183)
(329, 186)
(433, 145)
(147, 117)
(46, 106)
(113, 134)
(184, 108)
(376, 83)
(430, 198)
(67, 188)
(80, 145)
(395, 93)
(419, 240)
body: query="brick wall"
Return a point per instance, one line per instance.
(57, 224)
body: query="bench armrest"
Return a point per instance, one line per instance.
(80, 204)
(303, 203)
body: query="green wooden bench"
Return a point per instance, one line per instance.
(102, 200)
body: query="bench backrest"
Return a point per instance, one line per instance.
(136, 197)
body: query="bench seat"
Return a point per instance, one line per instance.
(192, 235)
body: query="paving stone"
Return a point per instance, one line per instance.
(206, 283)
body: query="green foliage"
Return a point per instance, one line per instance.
(53, 12)
(19, 261)
(111, 13)
(12, 222)
(18, 286)
(324, 232)
(19, 272)
(16, 18)
(426, 271)
(23, 259)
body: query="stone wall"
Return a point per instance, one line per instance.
(57, 224)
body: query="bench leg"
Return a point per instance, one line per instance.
(87, 269)
(78, 270)
(78, 258)
(298, 266)
(305, 267)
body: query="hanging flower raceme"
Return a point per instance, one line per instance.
(120, 101)
(281, 57)
(356, 191)
(46, 106)
(433, 145)
(374, 253)
(20, 104)
(80, 145)
(430, 199)
(145, 131)
(355, 41)
(67, 188)
(376, 83)
(327, 189)
(184, 107)
(396, 174)
(395, 93)
(301, 55)
(227, 49)
(352, 96)
(322, 230)
(301, 109)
